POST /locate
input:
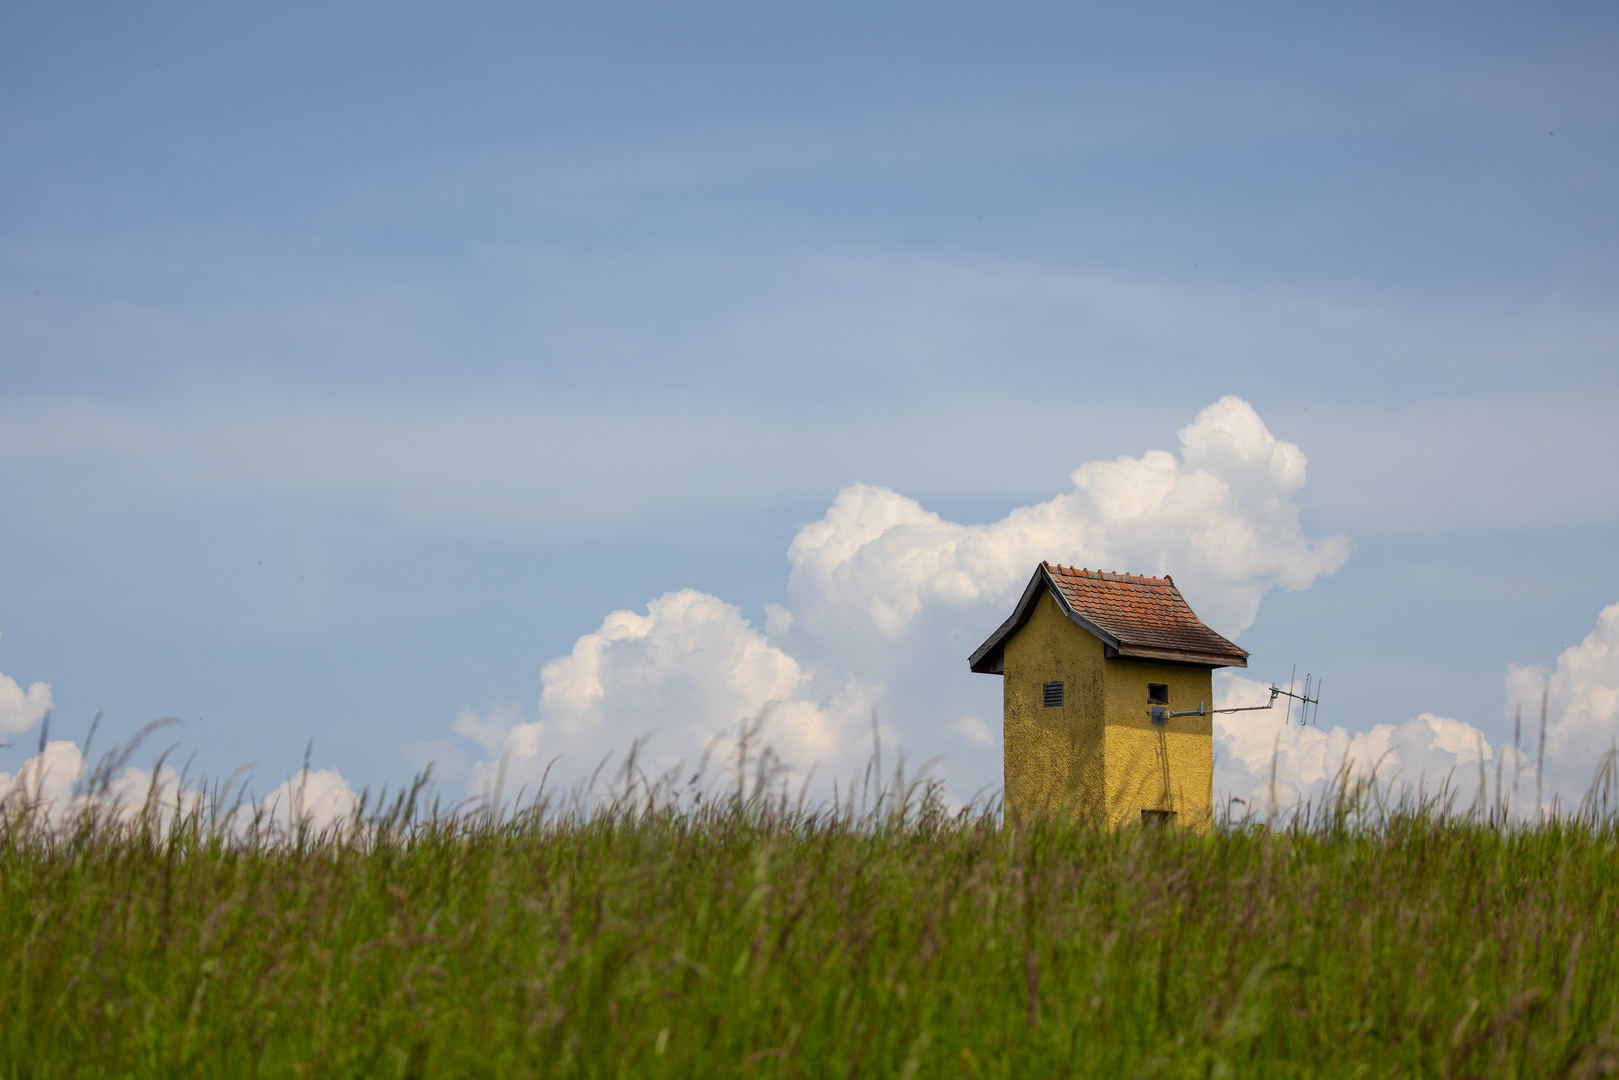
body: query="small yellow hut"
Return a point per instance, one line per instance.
(1108, 698)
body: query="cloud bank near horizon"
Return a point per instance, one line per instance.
(1439, 756)
(1268, 762)
(51, 782)
(886, 598)
(1581, 695)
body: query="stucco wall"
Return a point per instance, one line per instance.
(1152, 766)
(1053, 756)
(1099, 756)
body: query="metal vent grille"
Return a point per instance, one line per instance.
(1053, 694)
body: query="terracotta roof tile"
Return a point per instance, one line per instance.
(1143, 613)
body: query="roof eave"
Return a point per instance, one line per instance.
(1183, 656)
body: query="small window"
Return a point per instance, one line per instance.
(1053, 694)
(1158, 818)
(1157, 693)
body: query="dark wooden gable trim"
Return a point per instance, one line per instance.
(990, 657)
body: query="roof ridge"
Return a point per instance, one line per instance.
(1121, 576)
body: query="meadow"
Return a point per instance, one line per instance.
(745, 934)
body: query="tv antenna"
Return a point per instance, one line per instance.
(1308, 705)
(1306, 714)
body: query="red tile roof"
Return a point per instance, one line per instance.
(1142, 612)
(1137, 617)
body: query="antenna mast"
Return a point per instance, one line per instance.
(1311, 696)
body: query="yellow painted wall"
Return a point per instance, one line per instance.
(1054, 757)
(1152, 766)
(1099, 756)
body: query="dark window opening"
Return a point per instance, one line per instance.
(1159, 818)
(1157, 693)
(1053, 694)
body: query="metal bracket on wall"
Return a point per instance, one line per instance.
(1305, 700)
(1161, 715)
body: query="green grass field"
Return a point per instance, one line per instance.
(746, 938)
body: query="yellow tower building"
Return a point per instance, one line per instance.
(1108, 698)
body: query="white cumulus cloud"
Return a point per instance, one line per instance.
(689, 671)
(55, 786)
(1219, 516)
(319, 798)
(21, 709)
(1582, 709)
(887, 598)
(48, 777)
(52, 783)
(1428, 756)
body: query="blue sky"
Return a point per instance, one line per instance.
(356, 361)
